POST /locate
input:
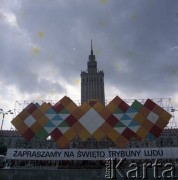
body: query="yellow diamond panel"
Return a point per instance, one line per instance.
(44, 107)
(70, 134)
(98, 107)
(113, 135)
(42, 120)
(84, 107)
(84, 134)
(166, 116)
(98, 135)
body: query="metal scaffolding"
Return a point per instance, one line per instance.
(165, 103)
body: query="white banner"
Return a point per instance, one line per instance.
(92, 154)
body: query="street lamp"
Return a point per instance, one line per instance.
(3, 115)
(173, 110)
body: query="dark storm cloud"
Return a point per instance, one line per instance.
(132, 42)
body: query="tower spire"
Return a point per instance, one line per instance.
(91, 47)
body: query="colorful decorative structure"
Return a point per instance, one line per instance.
(117, 121)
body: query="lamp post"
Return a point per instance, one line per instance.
(173, 110)
(3, 115)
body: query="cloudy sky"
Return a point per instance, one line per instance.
(44, 45)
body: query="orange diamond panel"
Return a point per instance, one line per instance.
(21, 127)
(71, 107)
(37, 114)
(36, 127)
(142, 132)
(106, 128)
(62, 142)
(139, 118)
(42, 120)
(147, 125)
(121, 141)
(77, 113)
(16, 121)
(65, 101)
(161, 123)
(105, 113)
(111, 107)
(24, 114)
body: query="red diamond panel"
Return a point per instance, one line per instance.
(123, 106)
(58, 107)
(28, 134)
(112, 120)
(56, 134)
(149, 104)
(117, 100)
(128, 134)
(156, 131)
(92, 103)
(71, 120)
(31, 108)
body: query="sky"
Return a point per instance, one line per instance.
(44, 45)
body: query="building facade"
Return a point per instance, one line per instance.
(92, 81)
